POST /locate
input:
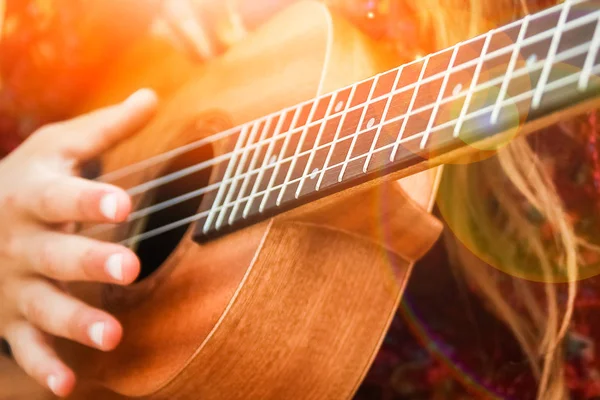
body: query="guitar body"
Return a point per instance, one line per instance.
(292, 308)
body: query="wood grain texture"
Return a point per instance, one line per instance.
(299, 326)
(294, 308)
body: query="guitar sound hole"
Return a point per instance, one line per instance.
(154, 251)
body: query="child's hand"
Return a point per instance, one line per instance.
(41, 197)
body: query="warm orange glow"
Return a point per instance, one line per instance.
(2, 15)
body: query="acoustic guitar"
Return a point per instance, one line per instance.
(275, 237)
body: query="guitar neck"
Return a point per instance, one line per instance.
(484, 90)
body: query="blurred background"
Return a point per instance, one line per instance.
(60, 57)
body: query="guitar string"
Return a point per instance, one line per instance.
(137, 167)
(557, 84)
(573, 52)
(141, 188)
(551, 86)
(143, 165)
(514, 74)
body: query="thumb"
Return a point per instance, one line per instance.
(89, 135)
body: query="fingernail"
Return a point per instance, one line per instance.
(114, 266)
(142, 95)
(96, 332)
(108, 206)
(52, 383)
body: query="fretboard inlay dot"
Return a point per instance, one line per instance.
(388, 123)
(314, 173)
(456, 90)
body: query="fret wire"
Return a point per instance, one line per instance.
(278, 162)
(246, 181)
(266, 162)
(509, 71)
(410, 107)
(359, 127)
(228, 171)
(581, 21)
(335, 137)
(469, 95)
(553, 85)
(238, 172)
(557, 84)
(439, 99)
(589, 61)
(537, 97)
(382, 120)
(157, 182)
(313, 110)
(313, 151)
(566, 55)
(507, 49)
(139, 166)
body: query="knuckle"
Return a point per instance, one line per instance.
(86, 265)
(11, 333)
(5, 290)
(9, 246)
(21, 344)
(35, 310)
(8, 201)
(7, 299)
(46, 201)
(75, 323)
(48, 261)
(82, 204)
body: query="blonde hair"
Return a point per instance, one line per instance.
(539, 328)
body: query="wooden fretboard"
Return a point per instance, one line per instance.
(457, 97)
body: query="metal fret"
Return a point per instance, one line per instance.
(337, 134)
(539, 92)
(559, 83)
(317, 141)
(313, 109)
(510, 69)
(410, 107)
(533, 39)
(584, 78)
(286, 141)
(467, 102)
(267, 158)
(238, 172)
(382, 120)
(440, 97)
(246, 181)
(359, 127)
(230, 166)
(429, 122)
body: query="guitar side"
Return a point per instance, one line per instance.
(292, 308)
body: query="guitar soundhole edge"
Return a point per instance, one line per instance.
(154, 251)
